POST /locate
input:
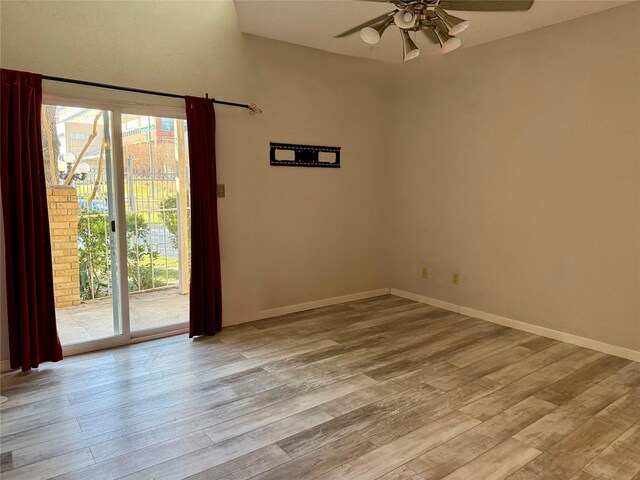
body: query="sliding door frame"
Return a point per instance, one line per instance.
(125, 336)
(121, 223)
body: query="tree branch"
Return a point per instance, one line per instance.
(96, 184)
(53, 167)
(93, 135)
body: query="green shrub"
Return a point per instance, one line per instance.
(170, 218)
(95, 259)
(140, 254)
(93, 254)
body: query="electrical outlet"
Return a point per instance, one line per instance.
(220, 190)
(455, 278)
(424, 272)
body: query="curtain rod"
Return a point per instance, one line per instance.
(252, 107)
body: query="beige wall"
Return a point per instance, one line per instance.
(288, 235)
(517, 164)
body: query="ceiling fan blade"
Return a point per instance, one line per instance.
(487, 5)
(365, 24)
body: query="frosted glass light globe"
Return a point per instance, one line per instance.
(404, 19)
(412, 54)
(450, 45)
(462, 26)
(370, 35)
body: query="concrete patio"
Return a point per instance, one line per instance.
(94, 318)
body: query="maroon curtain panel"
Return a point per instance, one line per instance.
(33, 337)
(205, 293)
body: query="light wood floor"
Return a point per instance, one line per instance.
(383, 388)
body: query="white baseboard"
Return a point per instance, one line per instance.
(434, 302)
(524, 326)
(301, 307)
(489, 317)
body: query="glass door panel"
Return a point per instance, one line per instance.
(157, 220)
(78, 168)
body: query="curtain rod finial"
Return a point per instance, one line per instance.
(254, 109)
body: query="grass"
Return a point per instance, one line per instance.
(164, 270)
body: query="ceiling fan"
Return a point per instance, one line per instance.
(430, 17)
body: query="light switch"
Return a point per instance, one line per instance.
(220, 189)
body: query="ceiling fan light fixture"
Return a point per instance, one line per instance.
(409, 48)
(448, 43)
(459, 28)
(454, 24)
(372, 33)
(405, 19)
(452, 44)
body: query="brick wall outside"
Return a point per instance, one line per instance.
(63, 224)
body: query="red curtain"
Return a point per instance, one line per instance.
(205, 297)
(33, 337)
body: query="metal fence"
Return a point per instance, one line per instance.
(151, 233)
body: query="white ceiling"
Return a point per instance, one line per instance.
(313, 23)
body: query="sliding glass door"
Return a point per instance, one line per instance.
(80, 192)
(157, 212)
(119, 223)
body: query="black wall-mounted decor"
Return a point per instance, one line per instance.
(292, 155)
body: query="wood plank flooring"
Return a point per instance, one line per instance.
(383, 388)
